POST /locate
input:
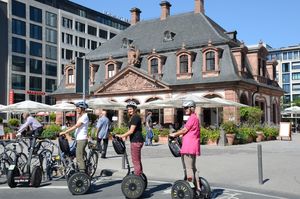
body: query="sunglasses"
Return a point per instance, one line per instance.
(186, 108)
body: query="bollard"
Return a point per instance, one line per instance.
(123, 161)
(260, 166)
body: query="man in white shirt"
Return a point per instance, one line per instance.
(81, 133)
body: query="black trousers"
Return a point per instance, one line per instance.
(102, 148)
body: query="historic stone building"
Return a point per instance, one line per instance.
(176, 55)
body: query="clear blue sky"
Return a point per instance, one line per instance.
(276, 22)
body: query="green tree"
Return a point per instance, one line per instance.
(251, 115)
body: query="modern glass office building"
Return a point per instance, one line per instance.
(288, 72)
(43, 36)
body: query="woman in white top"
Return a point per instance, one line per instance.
(81, 133)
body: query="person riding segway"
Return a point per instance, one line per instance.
(188, 149)
(33, 176)
(134, 183)
(79, 183)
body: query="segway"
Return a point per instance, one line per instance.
(79, 183)
(133, 186)
(25, 176)
(183, 189)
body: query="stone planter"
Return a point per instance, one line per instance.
(12, 136)
(212, 142)
(162, 139)
(260, 136)
(230, 138)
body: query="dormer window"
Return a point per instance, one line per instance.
(111, 67)
(184, 64)
(155, 63)
(185, 59)
(71, 77)
(154, 66)
(169, 36)
(126, 42)
(111, 70)
(211, 61)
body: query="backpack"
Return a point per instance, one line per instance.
(119, 145)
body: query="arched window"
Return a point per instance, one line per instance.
(111, 70)
(71, 78)
(210, 61)
(184, 64)
(154, 66)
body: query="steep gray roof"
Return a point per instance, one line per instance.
(191, 29)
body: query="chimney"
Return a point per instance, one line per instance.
(135, 15)
(165, 9)
(199, 7)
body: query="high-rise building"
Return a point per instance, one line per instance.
(40, 37)
(288, 72)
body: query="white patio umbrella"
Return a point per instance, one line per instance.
(106, 104)
(26, 106)
(224, 102)
(292, 109)
(64, 107)
(2, 106)
(176, 102)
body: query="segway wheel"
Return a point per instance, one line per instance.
(182, 190)
(36, 176)
(205, 188)
(11, 174)
(79, 183)
(133, 186)
(145, 180)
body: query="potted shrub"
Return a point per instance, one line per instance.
(259, 133)
(50, 132)
(163, 135)
(213, 137)
(270, 132)
(7, 132)
(13, 123)
(204, 135)
(230, 128)
(246, 134)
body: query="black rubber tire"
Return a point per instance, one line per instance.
(145, 180)
(205, 188)
(11, 174)
(4, 165)
(133, 186)
(92, 163)
(36, 176)
(79, 183)
(182, 190)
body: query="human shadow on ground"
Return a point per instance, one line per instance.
(149, 192)
(96, 188)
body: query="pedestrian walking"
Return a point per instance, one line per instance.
(149, 129)
(103, 128)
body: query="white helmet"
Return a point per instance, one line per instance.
(131, 104)
(188, 104)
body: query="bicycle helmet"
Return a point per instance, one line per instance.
(131, 104)
(82, 105)
(188, 104)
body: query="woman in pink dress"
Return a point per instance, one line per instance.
(190, 143)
